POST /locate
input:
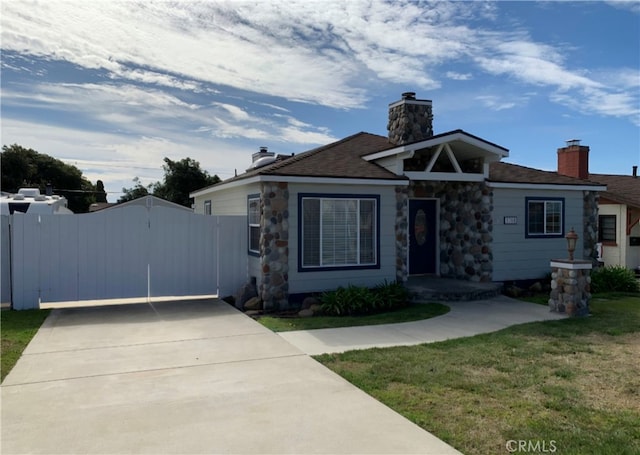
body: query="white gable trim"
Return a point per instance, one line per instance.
(545, 186)
(443, 139)
(445, 176)
(299, 179)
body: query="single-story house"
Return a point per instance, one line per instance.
(369, 208)
(619, 219)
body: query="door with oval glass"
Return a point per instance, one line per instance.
(423, 226)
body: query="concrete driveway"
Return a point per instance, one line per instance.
(187, 377)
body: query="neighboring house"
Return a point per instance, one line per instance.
(619, 211)
(369, 208)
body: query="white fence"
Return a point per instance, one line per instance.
(129, 252)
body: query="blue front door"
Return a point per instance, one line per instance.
(422, 236)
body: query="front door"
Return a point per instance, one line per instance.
(422, 236)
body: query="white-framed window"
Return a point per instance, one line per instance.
(545, 217)
(207, 207)
(253, 219)
(338, 231)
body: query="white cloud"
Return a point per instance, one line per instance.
(458, 76)
(495, 103)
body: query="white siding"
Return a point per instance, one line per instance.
(614, 254)
(622, 254)
(227, 202)
(302, 282)
(516, 257)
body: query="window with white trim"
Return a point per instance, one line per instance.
(545, 217)
(338, 232)
(253, 217)
(207, 207)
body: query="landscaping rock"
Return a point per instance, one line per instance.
(253, 312)
(246, 292)
(305, 313)
(536, 287)
(254, 303)
(309, 302)
(316, 308)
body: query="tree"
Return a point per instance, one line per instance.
(101, 194)
(23, 167)
(180, 178)
(136, 192)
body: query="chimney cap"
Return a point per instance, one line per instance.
(573, 142)
(409, 96)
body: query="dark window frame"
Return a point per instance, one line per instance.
(333, 196)
(545, 234)
(601, 228)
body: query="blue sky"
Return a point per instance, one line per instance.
(114, 87)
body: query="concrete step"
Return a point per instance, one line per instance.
(444, 289)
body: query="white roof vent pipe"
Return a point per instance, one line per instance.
(262, 158)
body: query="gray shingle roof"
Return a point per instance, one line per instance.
(514, 173)
(624, 189)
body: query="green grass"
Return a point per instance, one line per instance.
(411, 313)
(17, 327)
(574, 381)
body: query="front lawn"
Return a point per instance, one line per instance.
(413, 312)
(17, 327)
(572, 385)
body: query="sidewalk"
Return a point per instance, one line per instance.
(465, 319)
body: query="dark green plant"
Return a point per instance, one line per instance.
(357, 300)
(614, 278)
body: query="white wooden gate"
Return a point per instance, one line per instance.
(131, 252)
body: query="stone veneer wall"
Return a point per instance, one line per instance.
(274, 245)
(570, 289)
(466, 226)
(590, 222)
(410, 122)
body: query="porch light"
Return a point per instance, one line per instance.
(571, 237)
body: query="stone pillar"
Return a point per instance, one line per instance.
(402, 219)
(570, 287)
(274, 245)
(590, 223)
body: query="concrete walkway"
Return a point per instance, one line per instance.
(466, 318)
(184, 378)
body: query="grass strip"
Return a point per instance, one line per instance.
(414, 312)
(18, 328)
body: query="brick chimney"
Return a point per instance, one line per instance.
(573, 160)
(410, 120)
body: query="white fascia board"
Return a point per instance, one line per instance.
(545, 186)
(332, 180)
(298, 179)
(225, 186)
(445, 176)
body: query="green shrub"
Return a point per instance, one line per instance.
(354, 300)
(614, 278)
